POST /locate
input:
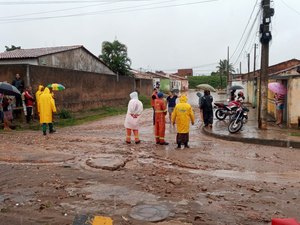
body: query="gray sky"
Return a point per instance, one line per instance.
(160, 34)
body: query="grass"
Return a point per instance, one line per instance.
(66, 118)
(89, 116)
(296, 134)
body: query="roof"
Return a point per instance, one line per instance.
(176, 77)
(35, 52)
(157, 75)
(141, 75)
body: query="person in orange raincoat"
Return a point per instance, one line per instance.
(183, 114)
(46, 108)
(160, 119)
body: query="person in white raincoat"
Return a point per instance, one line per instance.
(135, 108)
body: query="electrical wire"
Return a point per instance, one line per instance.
(248, 35)
(291, 8)
(244, 31)
(108, 11)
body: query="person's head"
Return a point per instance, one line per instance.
(206, 92)
(134, 95)
(155, 90)
(17, 76)
(160, 95)
(183, 99)
(28, 88)
(241, 94)
(41, 87)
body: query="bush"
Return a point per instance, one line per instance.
(211, 80)
(64, 114)
(146, 101)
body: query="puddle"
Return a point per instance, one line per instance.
(291, 176)
(109, 192)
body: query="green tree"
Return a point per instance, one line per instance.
(114, 54)
(12, 48)
(222, 69)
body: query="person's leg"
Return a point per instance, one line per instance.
(153, 116)
(136, 136)
(178, 140)
(162, 129)
(156, 131)
(128, 136)
(186, 140)
(51, 129)
(44, 127)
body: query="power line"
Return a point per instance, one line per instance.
(291, 8)
(244, 30)
(116, 10)
(247, 38)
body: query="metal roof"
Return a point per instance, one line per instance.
(35, 52)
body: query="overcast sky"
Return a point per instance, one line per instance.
(159, 34)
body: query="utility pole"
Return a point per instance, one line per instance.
(265, 38)
(241, 68)
(229, 81)
(248, 75)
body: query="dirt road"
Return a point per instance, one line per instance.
(50, 180)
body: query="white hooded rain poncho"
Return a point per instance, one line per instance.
(135, 109)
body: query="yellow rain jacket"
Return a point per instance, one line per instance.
(46, 106)
(37, 94)
(182, 115)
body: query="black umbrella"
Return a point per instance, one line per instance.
(236, 87)
(8, 89)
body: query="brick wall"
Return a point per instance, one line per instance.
(84, 90)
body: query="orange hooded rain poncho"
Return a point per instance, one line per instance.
(183, 114)
(46, 106)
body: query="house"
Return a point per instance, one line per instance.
(161, 80)
(74, 57)
(290, 77)
(286, 72)
(178, 82)
(185, 72)
(89, 82)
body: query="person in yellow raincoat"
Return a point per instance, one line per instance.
(183, 114)
(46, 107)
(38, 93)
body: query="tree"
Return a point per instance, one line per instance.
(222, 68)
(114, 54)
(12, 48)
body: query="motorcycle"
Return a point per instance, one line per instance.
(238, 119)
(224, 110)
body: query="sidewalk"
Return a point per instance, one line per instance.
(273, 136)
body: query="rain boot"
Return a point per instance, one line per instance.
(44, 127)
(51, 130)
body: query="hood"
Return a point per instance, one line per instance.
(183, 99)
(134, 95)
(199, 94)
(46, 91)
(40, 87)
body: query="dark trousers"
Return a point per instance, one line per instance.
(29, 114)
(182, 138)
(208, 117)
(45, 127)
(153, 115)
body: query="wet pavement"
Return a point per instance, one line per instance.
(250, 133)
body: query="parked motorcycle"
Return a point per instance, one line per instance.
(224, 110)
(238, 119)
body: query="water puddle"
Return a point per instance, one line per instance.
(291, 176)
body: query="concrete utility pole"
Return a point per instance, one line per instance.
(255, 79)
(248, 77)
(229, 80)
(265, 38)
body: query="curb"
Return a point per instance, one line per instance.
(259, 141)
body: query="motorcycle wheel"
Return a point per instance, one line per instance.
(235, 126)
(220, 114)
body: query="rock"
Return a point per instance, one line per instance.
(256, 189)
(204, 188)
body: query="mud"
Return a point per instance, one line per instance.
(89, 169)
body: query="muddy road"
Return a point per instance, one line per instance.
(89, 170)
